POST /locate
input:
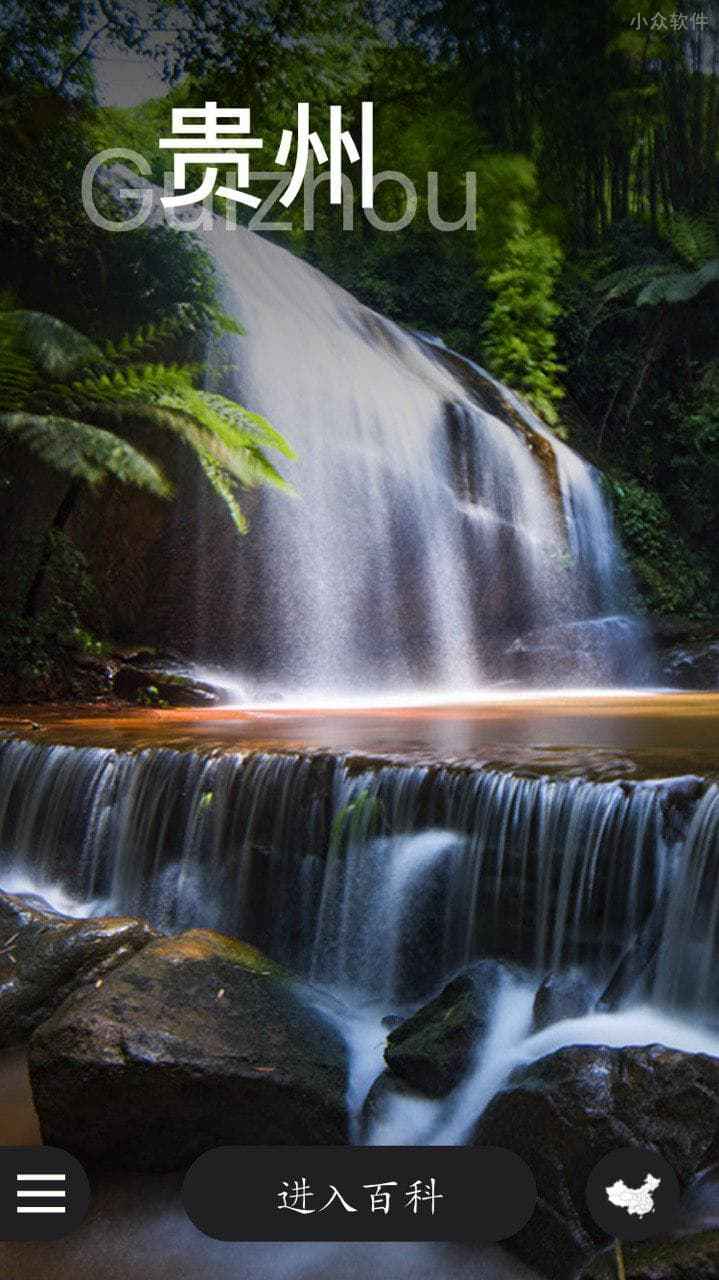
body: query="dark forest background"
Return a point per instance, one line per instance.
(591, 284)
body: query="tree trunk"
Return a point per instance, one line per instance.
(60, 519)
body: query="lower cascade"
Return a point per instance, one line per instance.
(297, 947)
(378, 878)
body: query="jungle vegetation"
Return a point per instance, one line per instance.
(591, 283)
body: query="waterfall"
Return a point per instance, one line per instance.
(687, 966)
(438, 540)
(602, 641)
(385, 878)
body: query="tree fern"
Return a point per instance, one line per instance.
(70, 401)
(631, 280)
(253, 422)
(681, 277)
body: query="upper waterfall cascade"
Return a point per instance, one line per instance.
(432, 544)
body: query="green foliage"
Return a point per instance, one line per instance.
(645, 403)
(358, 821)
(507, 203)
(520, 343)
(89, 644)
(82, 451)
(44, 344)
(150, 697)
(201, 317)
(693, 267)
(693, 470)
(694, 240)
(69, 402)
(32, 648)
(588, 139)
(671, 578)
(57, 262)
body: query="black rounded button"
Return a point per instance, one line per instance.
(473, 1194)
(633, 1194)
(44, 1193)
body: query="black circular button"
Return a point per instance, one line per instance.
(633, 1194)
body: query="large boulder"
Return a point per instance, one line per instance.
(433, 1050)
(197, 1042)
(45, 956)
(564, 1113)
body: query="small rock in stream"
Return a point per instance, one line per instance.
(433, 1049)
(568, 994)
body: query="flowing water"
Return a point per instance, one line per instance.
(379, 878)
(376, 882)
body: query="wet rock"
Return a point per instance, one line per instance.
(432, 1050)
(677, 798)
(635, 966)
(45, 956)
(157, 687)
(197, 1042)
(565, 1112)
(692, 666)
(569, 994)
(101, 666)
(142, 655)
(392, 1020)
(688, 652)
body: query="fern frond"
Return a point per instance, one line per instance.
(53, 347)
(681, 286)
(230, 438)
(83, 451)
(60, 394)
(223, 486)
(627, 281)
(185, 318)
(694, 240)
(258, 426)
(254, 469)
(19, 378)
(137, 382)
